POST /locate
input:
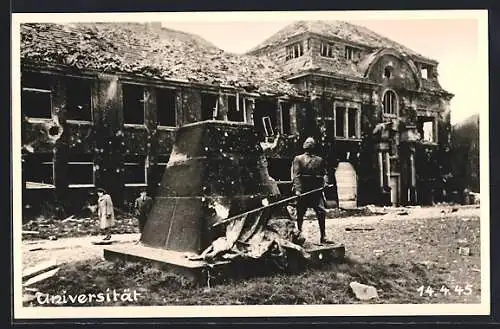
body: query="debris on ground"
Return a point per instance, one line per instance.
(359, 229)
(30, 232)
(36, 249)
(363, 291)
(73, 226)
(464, 251)
(39, 269)
(403, 213)
(40, 277)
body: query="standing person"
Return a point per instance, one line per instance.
(142, 206)
(309, 173)
(105, 212)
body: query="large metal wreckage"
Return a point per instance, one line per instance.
(217, 206)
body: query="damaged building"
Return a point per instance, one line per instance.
(378, 106)
(101, 103)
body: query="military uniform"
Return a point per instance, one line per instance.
(142, 206)
(309, 173)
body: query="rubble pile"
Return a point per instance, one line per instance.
(50, 228)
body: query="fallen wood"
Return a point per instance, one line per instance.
(37, 248)
(41, 277)
(30, 232)
(39, 269)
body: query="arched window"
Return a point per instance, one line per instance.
(390, 103)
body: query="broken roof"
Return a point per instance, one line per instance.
(149, 51)
(338, 29)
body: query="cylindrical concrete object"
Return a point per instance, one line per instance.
(347, 185)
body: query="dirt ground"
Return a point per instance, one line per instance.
(398, 253)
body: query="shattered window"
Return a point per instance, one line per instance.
(78, 99)
(351, 53)
(264, 117)
(39, 170)
(390, 103)
(352, 121)
(340, 121)
(235, 109)
(133, 104)
(81, 169)
(327, 49)
(208, 106)
(427, 129)
(425, 73)
(36, 99)
(165, 105)
(294, 51)
(135, 170)
(285, 117)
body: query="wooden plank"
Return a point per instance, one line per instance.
(41, 277)
(38, 269)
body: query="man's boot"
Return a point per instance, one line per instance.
(322, 229)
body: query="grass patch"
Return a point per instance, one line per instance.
(328, 285)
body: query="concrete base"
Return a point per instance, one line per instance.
(196, 270)
(321, 254)
(166, 260)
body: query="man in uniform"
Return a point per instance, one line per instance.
(309, 173)
(142, 206)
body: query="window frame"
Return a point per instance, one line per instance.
(24, 88)
(91, 102)
(422, 119)
(80, 185)
(238, 98)
(394, 102)
(41, 185)
(294, 50)
(329, 49)
(174, 91)
(145, 169)
(351, 53)
(143, 87)
(357, 123)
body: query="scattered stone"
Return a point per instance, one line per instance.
(427, 263)
(464, 251)
(363, 291)
(454, 209)
(475, 270)
(52, 237)
(403, 213)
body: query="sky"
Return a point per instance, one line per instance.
(452, 40)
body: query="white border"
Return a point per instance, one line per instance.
(483, 308)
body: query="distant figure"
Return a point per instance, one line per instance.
(142, 206)
(309, 173)
(105, 212)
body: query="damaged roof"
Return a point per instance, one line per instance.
(338, 29)
(149, 51)
(339, 66)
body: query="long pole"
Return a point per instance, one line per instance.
(271, 205)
